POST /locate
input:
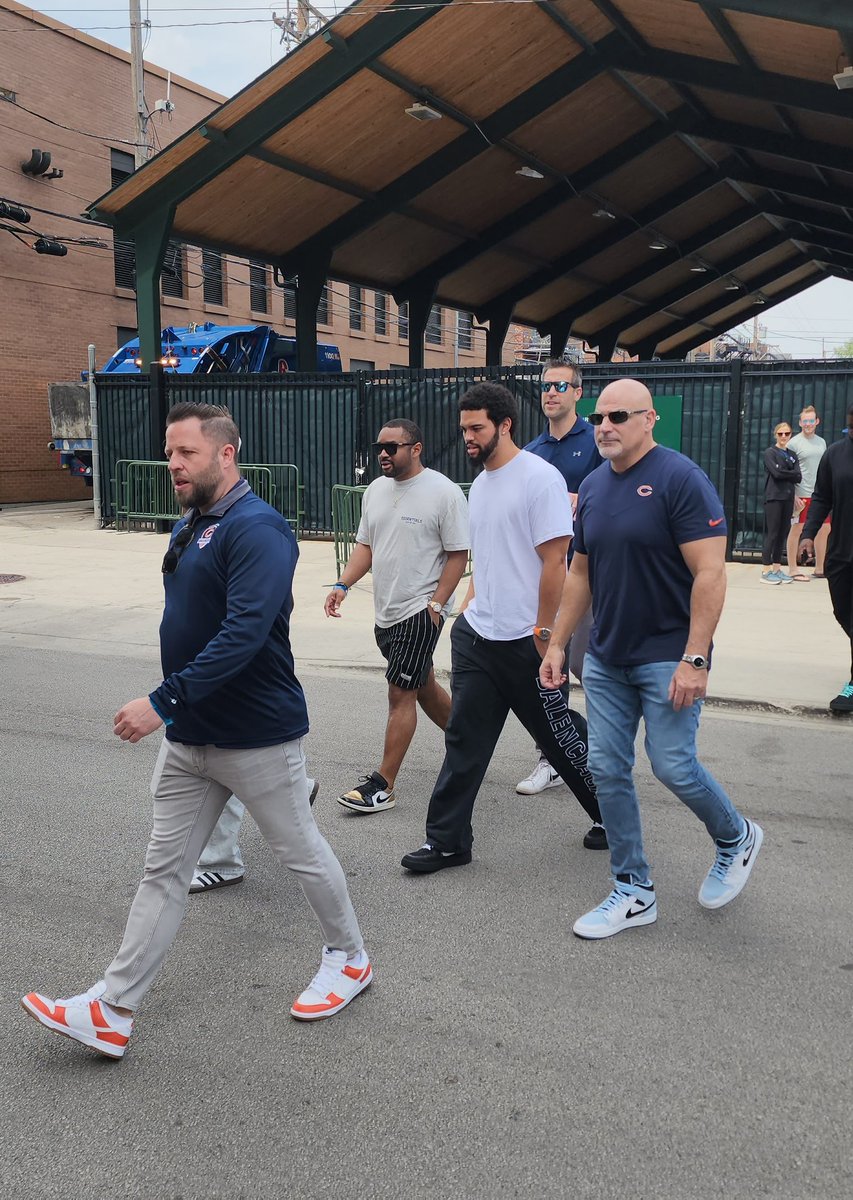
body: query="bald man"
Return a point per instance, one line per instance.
(650, 540)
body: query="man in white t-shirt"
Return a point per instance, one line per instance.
(521, 523)
(809, 449)
(413, 536)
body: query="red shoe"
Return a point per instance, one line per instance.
(83, 1018)
(332, 988)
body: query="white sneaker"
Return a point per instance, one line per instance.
(84, 1019)
(627, 905)
(542, 776)
(727, 877)
(332, 988)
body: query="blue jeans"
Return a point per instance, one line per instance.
(616, 698)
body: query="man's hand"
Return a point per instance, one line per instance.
(334, 600)
(799, 505)
(551, 674)
(435, 617)
(687, 686)
(805, 553)
(136, 720)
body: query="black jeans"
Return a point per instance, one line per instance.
(777, 526)
(490, 680)
(839, 578)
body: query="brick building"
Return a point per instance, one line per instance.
(69, 94)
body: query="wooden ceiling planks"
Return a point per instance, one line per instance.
(397, 247)
(802, 50)
(676, 25)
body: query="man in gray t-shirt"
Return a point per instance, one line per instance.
(809, 449)
(413, 536)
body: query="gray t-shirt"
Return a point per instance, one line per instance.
(809, 451)
(410, 527)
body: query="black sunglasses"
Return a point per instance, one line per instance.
(173, 555)
(390, 448)
(560, 385)
(618, 417)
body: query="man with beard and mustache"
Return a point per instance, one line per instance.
(521, 524)
(413, 536)
(235, 720)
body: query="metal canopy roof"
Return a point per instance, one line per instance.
(710, 129)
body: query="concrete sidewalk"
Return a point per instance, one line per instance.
(98, 591)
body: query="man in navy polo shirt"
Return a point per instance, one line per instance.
(235, 720)
(569, 445)
(650, 541)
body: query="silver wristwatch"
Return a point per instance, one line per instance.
(696, 660)
(435, 606)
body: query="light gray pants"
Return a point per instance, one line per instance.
(190, 787)
(222, 852)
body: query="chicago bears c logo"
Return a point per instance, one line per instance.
(645, 489)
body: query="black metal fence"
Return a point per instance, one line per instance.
(325, 424)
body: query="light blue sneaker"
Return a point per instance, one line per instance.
(732, 866)
(770, 577)
(784, 577)
(626, 906)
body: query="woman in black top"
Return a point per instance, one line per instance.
(782, 472)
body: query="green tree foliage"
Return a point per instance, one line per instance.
(845, 351)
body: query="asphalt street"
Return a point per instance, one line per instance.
(495, 1054)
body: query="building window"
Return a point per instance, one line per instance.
(172, 275)
(433, 326)
(361, 364)
(323, 306)
(124, 251)
(356, 308)
(289, 302)
(211, 268)
(380, 313)
(403, 322)
(124, 334)
(259, 292)
(464, 331)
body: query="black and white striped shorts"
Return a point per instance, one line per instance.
(408, 648)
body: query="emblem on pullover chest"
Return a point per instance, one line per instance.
(645, 489)
(206, 536)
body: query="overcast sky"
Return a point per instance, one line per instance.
(225, 47)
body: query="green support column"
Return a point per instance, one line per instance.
(558, 331)
(308, 292)
(150, 239)
(420, 306)
(499, 319)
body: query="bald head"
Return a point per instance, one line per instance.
(626, 436)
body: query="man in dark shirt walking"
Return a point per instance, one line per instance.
(235, 720)
(833, 493)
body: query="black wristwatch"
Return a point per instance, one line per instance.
(696, 660)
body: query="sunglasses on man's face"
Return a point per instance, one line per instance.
(173, 555)
(618, 417)
(784, 433)
(559, 385)
(390, 448)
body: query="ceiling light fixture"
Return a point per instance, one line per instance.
(658, 244)
(699, 269)
(759, 299)
(604, 214)
(733, 286)
(529, 172)
(423, 112)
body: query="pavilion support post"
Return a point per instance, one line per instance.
(309, 289)
(150, 239)
(420, 306)
(607, 342)
(645, 350)
(499, 320)
(558, 331)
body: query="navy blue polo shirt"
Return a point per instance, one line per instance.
(228, 673)
(574, 455)
(630, 525)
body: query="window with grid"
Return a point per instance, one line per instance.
(323, 306)
(465, 330)
(211, 266)
(403, 321)
(259, 292)
(380, 313)
(356, 308)
(124, 252)
(433, 326)
(172, 275)
(289, 302)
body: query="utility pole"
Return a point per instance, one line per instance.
(137, 82)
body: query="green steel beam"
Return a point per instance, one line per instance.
(398, 19)
(814, 218)
(827, 14)
(765, 141)
(798, 186)
(460, 152)
(151, 239)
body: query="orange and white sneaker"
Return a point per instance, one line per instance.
(335, 984)
(83, 1018)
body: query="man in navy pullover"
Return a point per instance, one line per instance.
(235, 718)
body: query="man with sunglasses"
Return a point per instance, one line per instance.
(235, 720)
(833, 493)
(650, 543)
(809, 448)
(569, 445)
(413, 536)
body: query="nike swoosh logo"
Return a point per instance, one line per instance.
(638, 913)
(748, 854)
(718, 521)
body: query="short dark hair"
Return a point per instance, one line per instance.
(408, 427)
(498, 402)
(565, 364)
(217, 423)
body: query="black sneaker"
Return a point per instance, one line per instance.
(843, 702)
(370, 794)
(596, 839)
(427, 859)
